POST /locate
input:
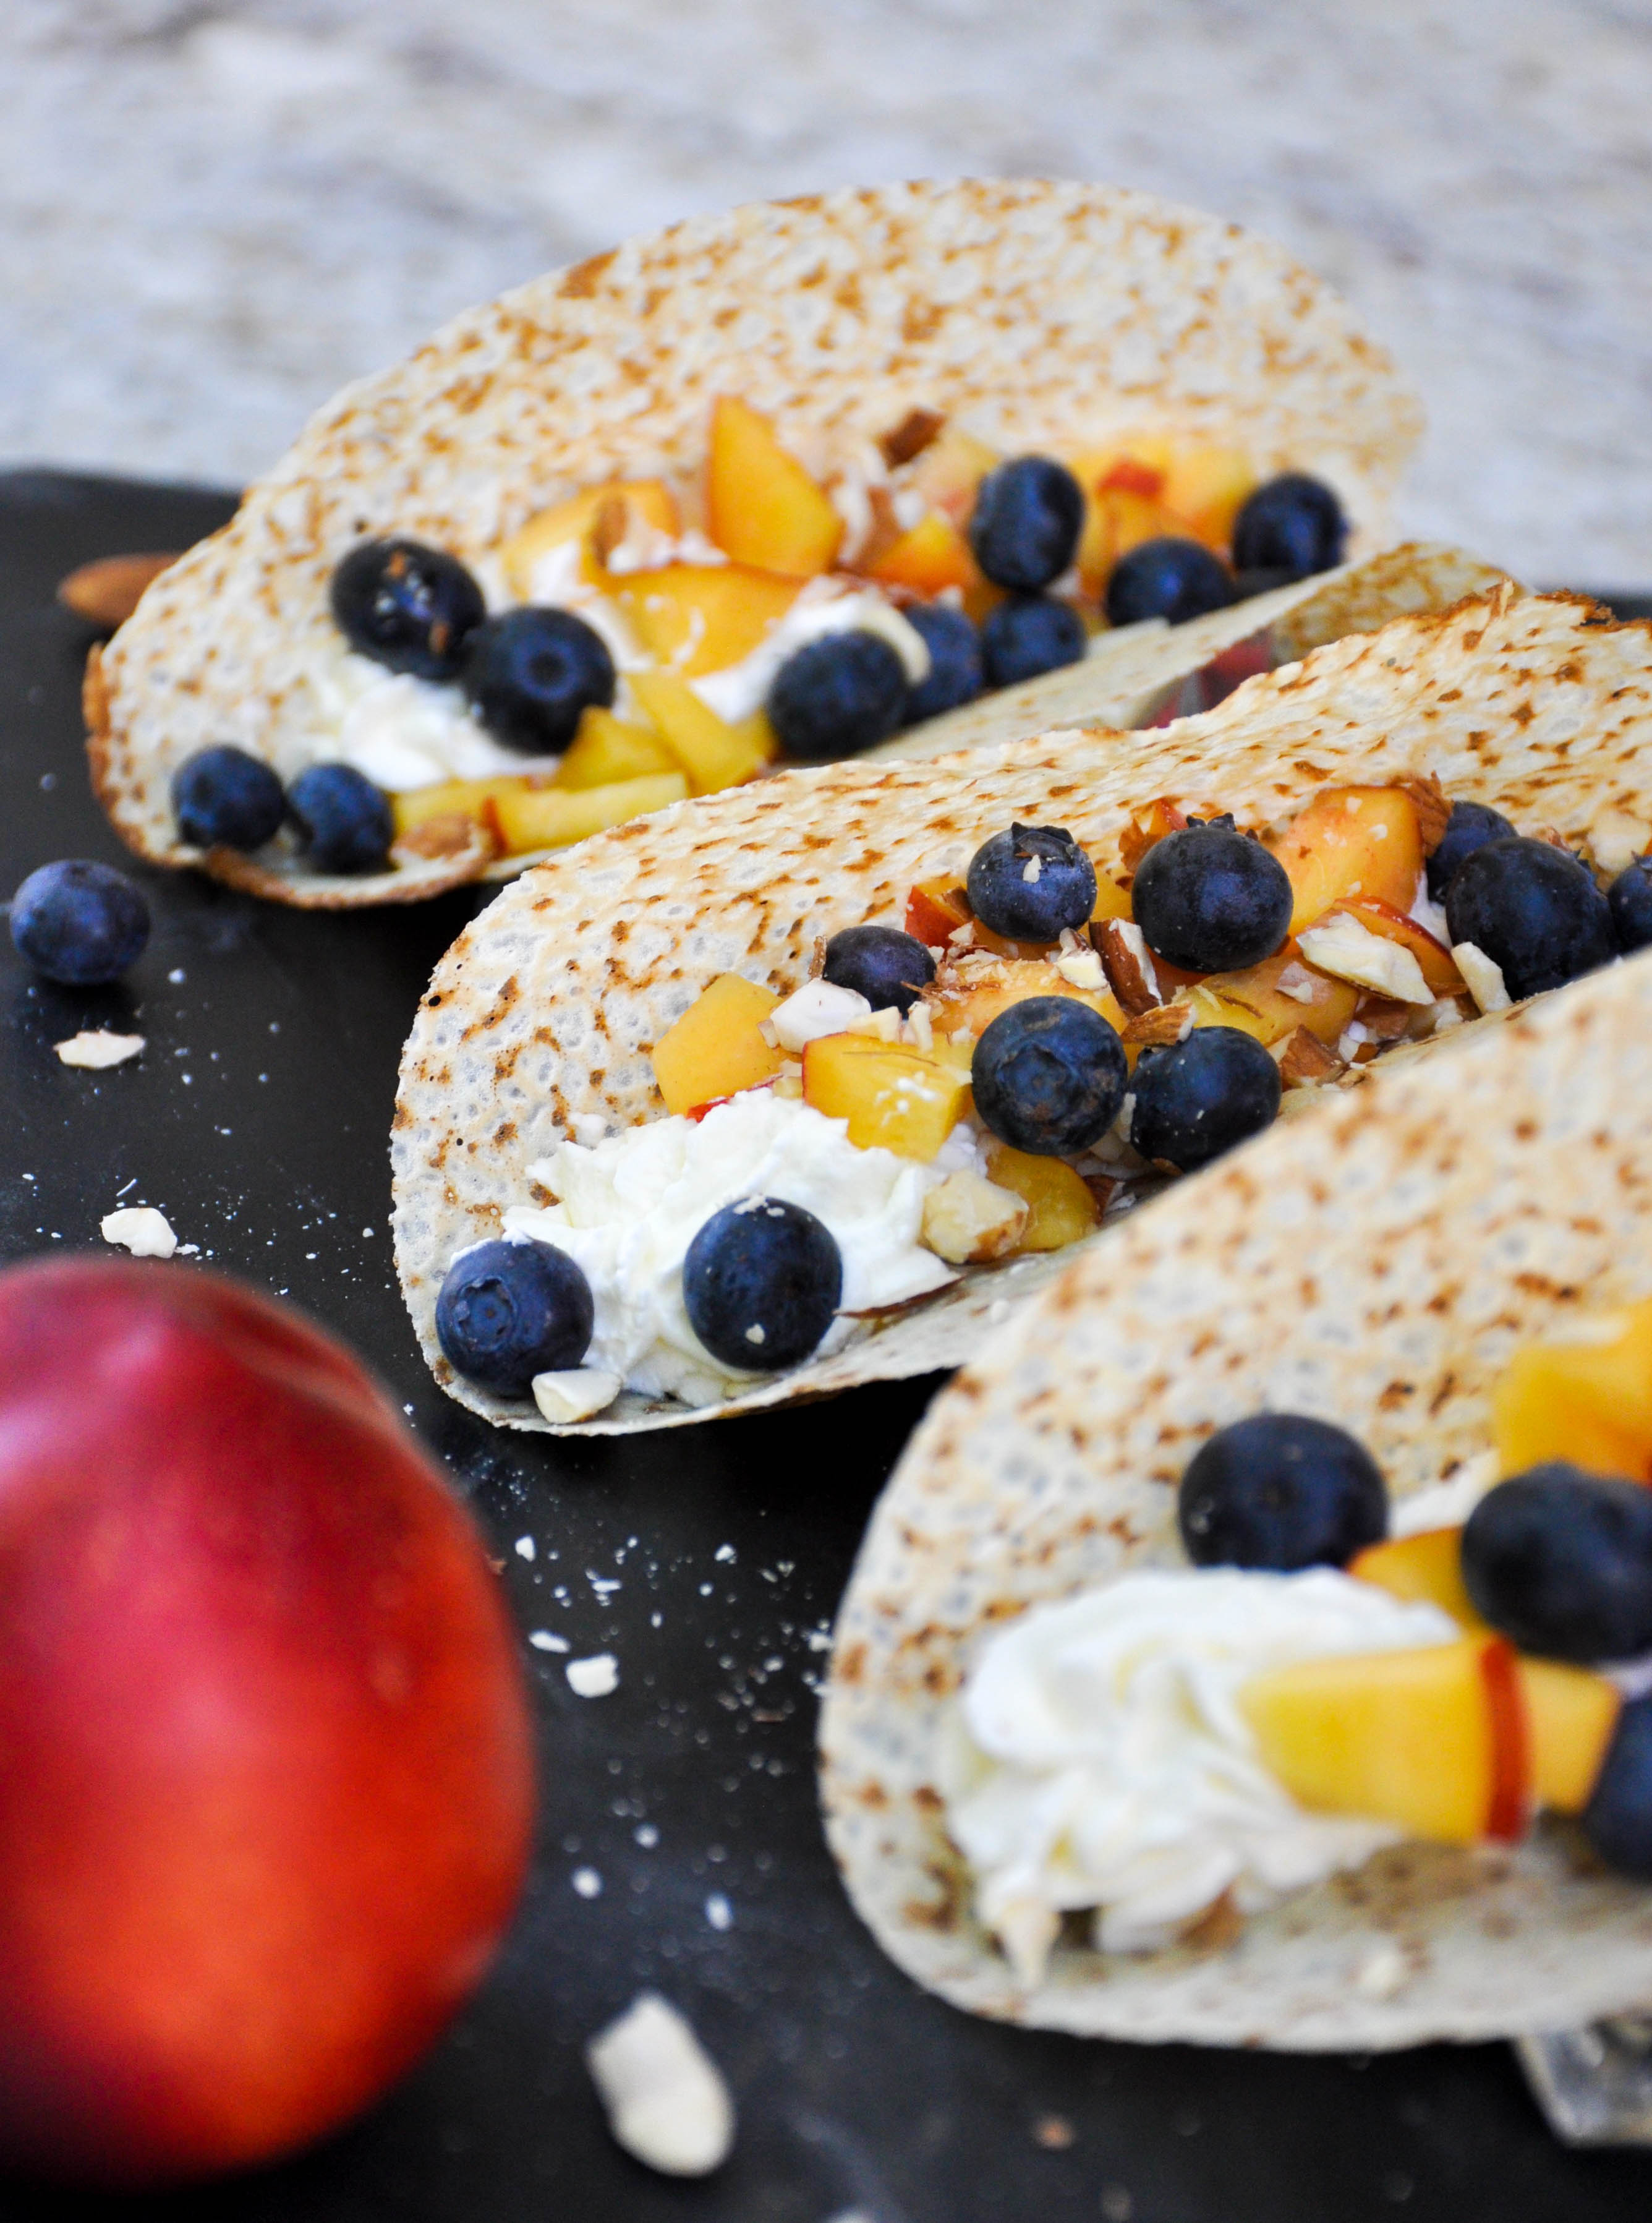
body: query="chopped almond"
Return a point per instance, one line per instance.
(1164, 1024)
(968, 1218)
(1127, 962)
(1432, 806)
(1384, 1018)
(1306, 1062)
(107, 592)
(915, 431)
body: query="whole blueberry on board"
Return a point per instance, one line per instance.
(762, 1282)
(1168, 577)
(1280, 1490)
(531, 674)
(79, 923)
(1195, 1099)
(836, 695)
(1025, 526)
(1630, 898)
(508, 1311)
(407, 606)
(1617, 1820)
(342, 819)
(1209, 899)
(955, 675)
(1469, 827)
(1560, 1561)
(1293, 524)
(1534, 910)
(1028, 636)
(226, 798)
(889, 968)
(1030, 882)
(1048, 1076)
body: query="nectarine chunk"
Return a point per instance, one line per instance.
(1351, 841)
(453, 798)
(1570, 1718)
(932, 555)
(696, 618)
(1426, 1568)
(1588, 1400)
(714, 753)
(1060, 1207)
(762, 506)
(894, 1099)
(606, 749)
(528, 818)
(716, 1048)
(1208, 486)
(1314, 1000)
(977, 1002)
(950, 468)
(608, 512)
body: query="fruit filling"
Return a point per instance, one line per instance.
(643, 640)
(1042, 1041)
(1311, 1688)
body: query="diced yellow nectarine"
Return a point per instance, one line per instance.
(1111, 900)
(976, 1003)
(1118, 517)
(950, 469)
(762, 506)
(452, 798)
(1320, 1004)
(1206, 487)
(714, 753)
(1588, 1400)
(894, 1099)
(1570, 1718)
(1426, 1566)
(717, 1049)
(1351, 841)
(601, 514)
(1060, 1207)
(931, 556)
(1411, 1737)
(606, 749)
(696, 618)
(529, 818)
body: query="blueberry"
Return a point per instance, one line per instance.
(889, 968)
(1196, 1098)
(1024, 528)
(508, 1311)
(1209, 899)
(1168, 578)
(1469, 827)
(222, 798)
(1030, 883)
(1049, 1076)
(79, 923)
(761, 1282)
(1030, 634)
(531, 674)
(1630, 898)
(1617, 1820)
(1280, 1490)
(1560, 1563)
(342, 819)
(1292, 523)
(408, 605)
(955, 672)
(1534, 909)
(843, 692)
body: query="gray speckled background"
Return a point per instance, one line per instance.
(212, 214)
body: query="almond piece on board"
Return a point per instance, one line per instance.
(107, 592)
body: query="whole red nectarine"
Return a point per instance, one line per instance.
(267, 1787)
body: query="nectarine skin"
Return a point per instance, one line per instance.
(268, 1789)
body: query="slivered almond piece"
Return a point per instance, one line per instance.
(968, 1218)
(1433, 808)
(1305, 1061)
(917, 430)
(107, 592)
(1127, 962)
(1339, 945)
(1164, 1024)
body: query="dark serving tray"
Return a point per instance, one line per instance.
(710, 1561)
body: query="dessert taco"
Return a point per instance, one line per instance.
(742, 488)
(1234, 1655)
(803, 1085)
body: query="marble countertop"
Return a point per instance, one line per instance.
(211, 215)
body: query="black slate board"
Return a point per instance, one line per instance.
(257, 1119)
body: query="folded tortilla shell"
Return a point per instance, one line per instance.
(1033, 313)
(542, 1013)
(1375, 1266)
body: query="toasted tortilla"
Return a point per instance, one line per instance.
(1033, 313)
(1374, 1265)
(544, 1012)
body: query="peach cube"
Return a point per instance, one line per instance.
(528, 818)
(1586, 1400)
(712, 753)
(762, 506)
(696, 618)
(606, 749)
(1570, 1718)
(893, 1098)
(1426, 1567)
(717, 1049)
(1351, 841)
(1060, 1207)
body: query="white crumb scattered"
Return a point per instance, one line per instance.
(666, 2101)
(1383, 1974)
(718, 1912)
(646, 1836)
(1030, 870)
(543, 1641)
(97, 1049)
(724, 1555)
(1082, 969)
(1484, 975)
(140, 1229)
(176, 976)
(593, 1678)
(525, 1548)
(587, 1883)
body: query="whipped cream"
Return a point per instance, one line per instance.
(628, 1206)
(1097, 1757)
(399, 731)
